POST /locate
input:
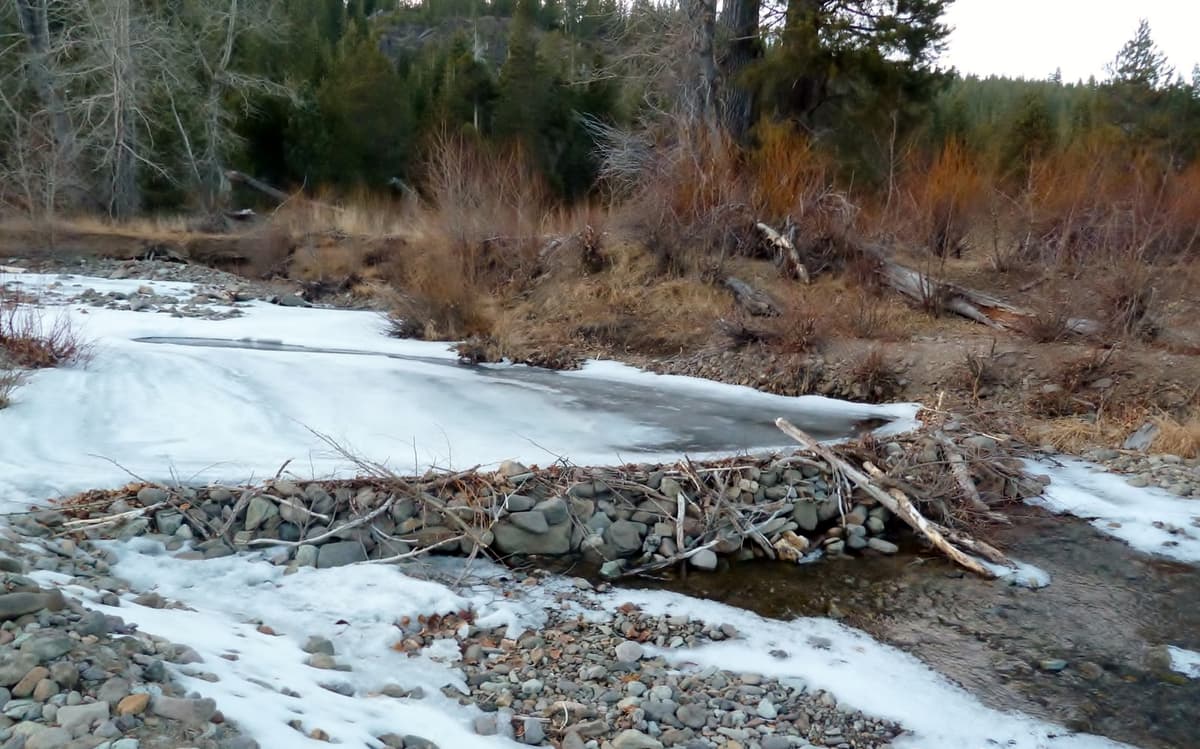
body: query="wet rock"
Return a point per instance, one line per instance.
(882, 546)
(705, 559)
(625, 537)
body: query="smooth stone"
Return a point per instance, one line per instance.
(705, 559)
(193, 711)
(632, 739)
(340, 554)
(511, 539)
(554, 510)
(14, 605)
(882, 546)
(629, 652)
(79, 718)
(532, 521)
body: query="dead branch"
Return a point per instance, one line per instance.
(787, 257)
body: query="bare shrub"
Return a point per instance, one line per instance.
(1068, 392)
(10, 380)
(946, 200)
(31, 341)
(874, 376)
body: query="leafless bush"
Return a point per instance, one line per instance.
(28, 340)
(10, 380)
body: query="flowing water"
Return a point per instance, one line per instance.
(1108, 612)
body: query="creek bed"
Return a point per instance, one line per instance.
(1108, 613)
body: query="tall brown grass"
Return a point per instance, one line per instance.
(29, 339)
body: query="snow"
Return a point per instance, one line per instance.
(1148, 519)
(862, 673)
(1186, 662)
(358, 607)
(170, 412)
(1021, 574)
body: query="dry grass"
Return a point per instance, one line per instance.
(946, 200)
(1178, 436)
(1074, 435)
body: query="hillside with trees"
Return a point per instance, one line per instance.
(550, 180)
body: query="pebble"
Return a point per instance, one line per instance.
(629, 652)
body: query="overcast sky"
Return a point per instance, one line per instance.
(1033, 37)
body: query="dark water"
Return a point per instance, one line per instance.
(1109, 611)
(698, 420)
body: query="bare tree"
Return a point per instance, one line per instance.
(220, 88)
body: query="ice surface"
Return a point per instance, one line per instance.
(1149, 519)
(191, 414)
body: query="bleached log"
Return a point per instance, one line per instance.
(787, 257)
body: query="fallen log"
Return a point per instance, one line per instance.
(787, 257)
(256, 184)
(897, 503)
(755, 302)
(974, 305)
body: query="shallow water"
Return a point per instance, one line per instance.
(1108, 612)
(697, 421)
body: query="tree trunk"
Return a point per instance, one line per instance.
(701, 100)
(740, 19)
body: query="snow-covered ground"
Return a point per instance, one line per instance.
(1149, 519)
(357, 607)
(1186, 662)
(183, 412)
(189, 413)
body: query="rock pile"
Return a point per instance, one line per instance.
(1179, 476)
(580, 684)
(625, 520)
(784, 507)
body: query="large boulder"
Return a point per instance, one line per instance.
(512, 539)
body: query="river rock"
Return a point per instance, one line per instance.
(805, 515)
(632, 739)
(705, 559)
(625, 537)
(882, 546)
(532, 521)
(511, 539)
(629, 652)
(339, 554)
(185, 710)
(49, 738)
(78, 719)
(13, 605)
(555, 510)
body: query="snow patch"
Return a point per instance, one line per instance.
(1186, 662)
(1148, 519)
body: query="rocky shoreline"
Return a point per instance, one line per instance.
(74, 678)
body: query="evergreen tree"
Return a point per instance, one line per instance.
(1140, 62)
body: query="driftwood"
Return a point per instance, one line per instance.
(899, 504)
(787, 257)
(754, 301)
(958, 467)
(974, 305)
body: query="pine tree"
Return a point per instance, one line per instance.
(1140, 62)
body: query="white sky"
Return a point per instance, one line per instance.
(1031, 38)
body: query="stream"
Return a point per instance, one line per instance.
(1108, 613)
